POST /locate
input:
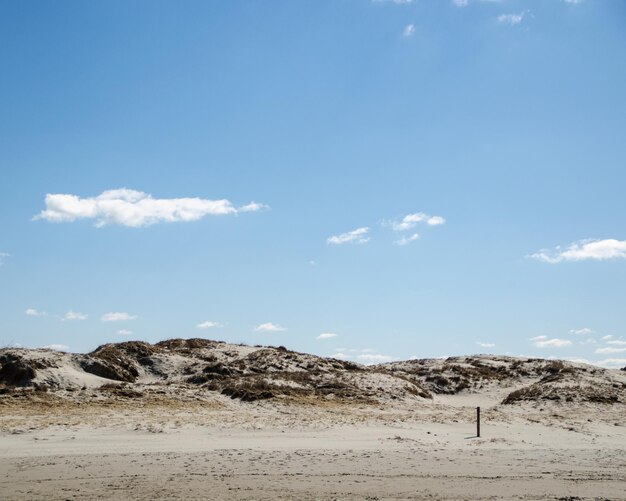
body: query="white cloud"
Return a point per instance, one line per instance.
(610, 350)
(511, 19)
(327, 335)
(251, 207)
(465, 3)
(208, 325)
(575, 2)
(598, 250)
(366, 355)
(74, 315)
(435, 221)
(407, 240)
(577, 360)
(373, 358)
(125, 332)
(409, 30)
(269, 327)
(411, 220)
(544, 342)
(358, 236)
(134, 208)
(486, 345)
(397, 2)
(612, 363)
(584, 331)
(589, 340)
(56, 347)
(32, 312)
(117, 316)
(604, 338)
(3, 256)
(617, 342)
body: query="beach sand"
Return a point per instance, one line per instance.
(275, 424)
(305, 454)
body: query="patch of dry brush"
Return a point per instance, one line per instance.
(193, 368)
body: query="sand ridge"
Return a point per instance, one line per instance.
(198, 419)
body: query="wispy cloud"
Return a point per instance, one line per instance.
(485, 345)
(374, 358)
(612, 362)
(397, 2)
(3, 256)
(589, 340)
(125, 332)
(545, 342)
(583, 332)
(577, 360)
(617, 342)
(117, 316)
(597, 250)
(56, 347)
(610, 350)
(269, 327)
(409, 30)
(366, 356)
(208, 325)
(32, 312)
(512, 19)
(358, 236)
(411, 220)
(407, 240)
(134, 209)
(327, 335)
(74, 315)
(465, 3)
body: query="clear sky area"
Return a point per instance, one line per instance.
(371, 180)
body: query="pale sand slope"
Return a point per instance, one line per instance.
(405, 460)
(196, 419)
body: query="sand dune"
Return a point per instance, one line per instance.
(198, 419)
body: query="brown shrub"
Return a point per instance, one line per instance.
(219, 369)
(185, 345)
(16, 371)
(137, 349)
(555, 367)
(119, 390)
(109, 362)
(199, 379)
(249, 391)
(532, 392)
(350, 366)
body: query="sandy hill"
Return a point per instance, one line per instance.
(189, 369)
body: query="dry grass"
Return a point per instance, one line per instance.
(197, 368)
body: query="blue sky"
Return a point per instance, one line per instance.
(420, 178)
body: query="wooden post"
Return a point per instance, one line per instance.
(478, 422)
